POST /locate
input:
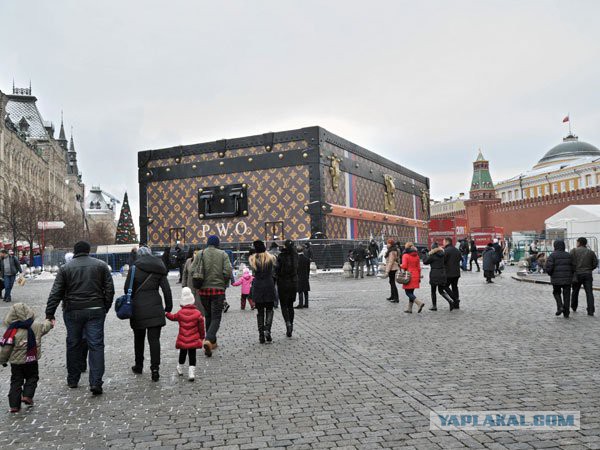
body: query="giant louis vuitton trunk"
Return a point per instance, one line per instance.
(298, 184)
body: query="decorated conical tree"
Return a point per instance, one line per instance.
(125, 228)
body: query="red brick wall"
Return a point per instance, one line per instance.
(530, 214)
(462, 214)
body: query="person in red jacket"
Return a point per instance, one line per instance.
(412, 263)
(191, 332)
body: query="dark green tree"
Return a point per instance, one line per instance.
(125, 228)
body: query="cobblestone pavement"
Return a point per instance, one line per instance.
(359, 373)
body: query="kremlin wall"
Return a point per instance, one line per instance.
(568, 174)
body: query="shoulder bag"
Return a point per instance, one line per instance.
(198, 272)
(124, 304)
(403, 276)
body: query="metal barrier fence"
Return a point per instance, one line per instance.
(56, 257)
(326, 253)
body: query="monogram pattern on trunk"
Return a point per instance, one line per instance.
(273, 195)
(234, 153)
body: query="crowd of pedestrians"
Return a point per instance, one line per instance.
(84, 286)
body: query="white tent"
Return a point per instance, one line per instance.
(576, 221)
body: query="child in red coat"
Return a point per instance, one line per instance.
(191, 332)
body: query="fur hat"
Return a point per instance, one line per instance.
(213, 240)
(187, 298)
(259, 246)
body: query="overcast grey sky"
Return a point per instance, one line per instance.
(423, 83)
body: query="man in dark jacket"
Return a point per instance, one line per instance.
(464, 253)
(85, 287)
(360, 255)
(374, 258)
(9, 268)
(559, 266)
(179, 260)
(474, 255)
(585, 262)
(452, 261)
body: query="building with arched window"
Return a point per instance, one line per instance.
(33, 162)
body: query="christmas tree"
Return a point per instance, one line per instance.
(125, 229)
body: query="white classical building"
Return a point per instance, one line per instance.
(100, 210)
(570, 165)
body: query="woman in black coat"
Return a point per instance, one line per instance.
(286, 271)
(437, 277)
(489, 262)
(561, 268)
(263, 289)
(148, 310)
(303, 279)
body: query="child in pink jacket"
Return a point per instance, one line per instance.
(246, 282)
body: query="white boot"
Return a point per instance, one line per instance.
(192, 373)
(180, 369)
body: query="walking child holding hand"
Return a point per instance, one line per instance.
(21, 347)
(191, 332)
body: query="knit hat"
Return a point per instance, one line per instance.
(187, 298)
(82, 247)
(246, 271)
(213, 240)
(259, 246)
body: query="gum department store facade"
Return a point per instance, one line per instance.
(33, 162)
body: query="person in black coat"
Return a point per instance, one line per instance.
(148, 310)
(474, 256)
(374, 258)
(263, 289)
(489, 262)
(360, 256)
(437, 277)
(303, 279)
(561, 268)
(464, 253)
(452, 262)
(499, 253)
(286, 271)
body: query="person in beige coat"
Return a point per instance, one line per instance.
(392, 256)
(21, 346)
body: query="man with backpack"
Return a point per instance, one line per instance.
(211, 272)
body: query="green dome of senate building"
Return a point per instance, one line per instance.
(570, 148)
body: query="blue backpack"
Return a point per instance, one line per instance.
(123, 305)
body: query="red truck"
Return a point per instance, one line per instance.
(456, 229)
(483, 236)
